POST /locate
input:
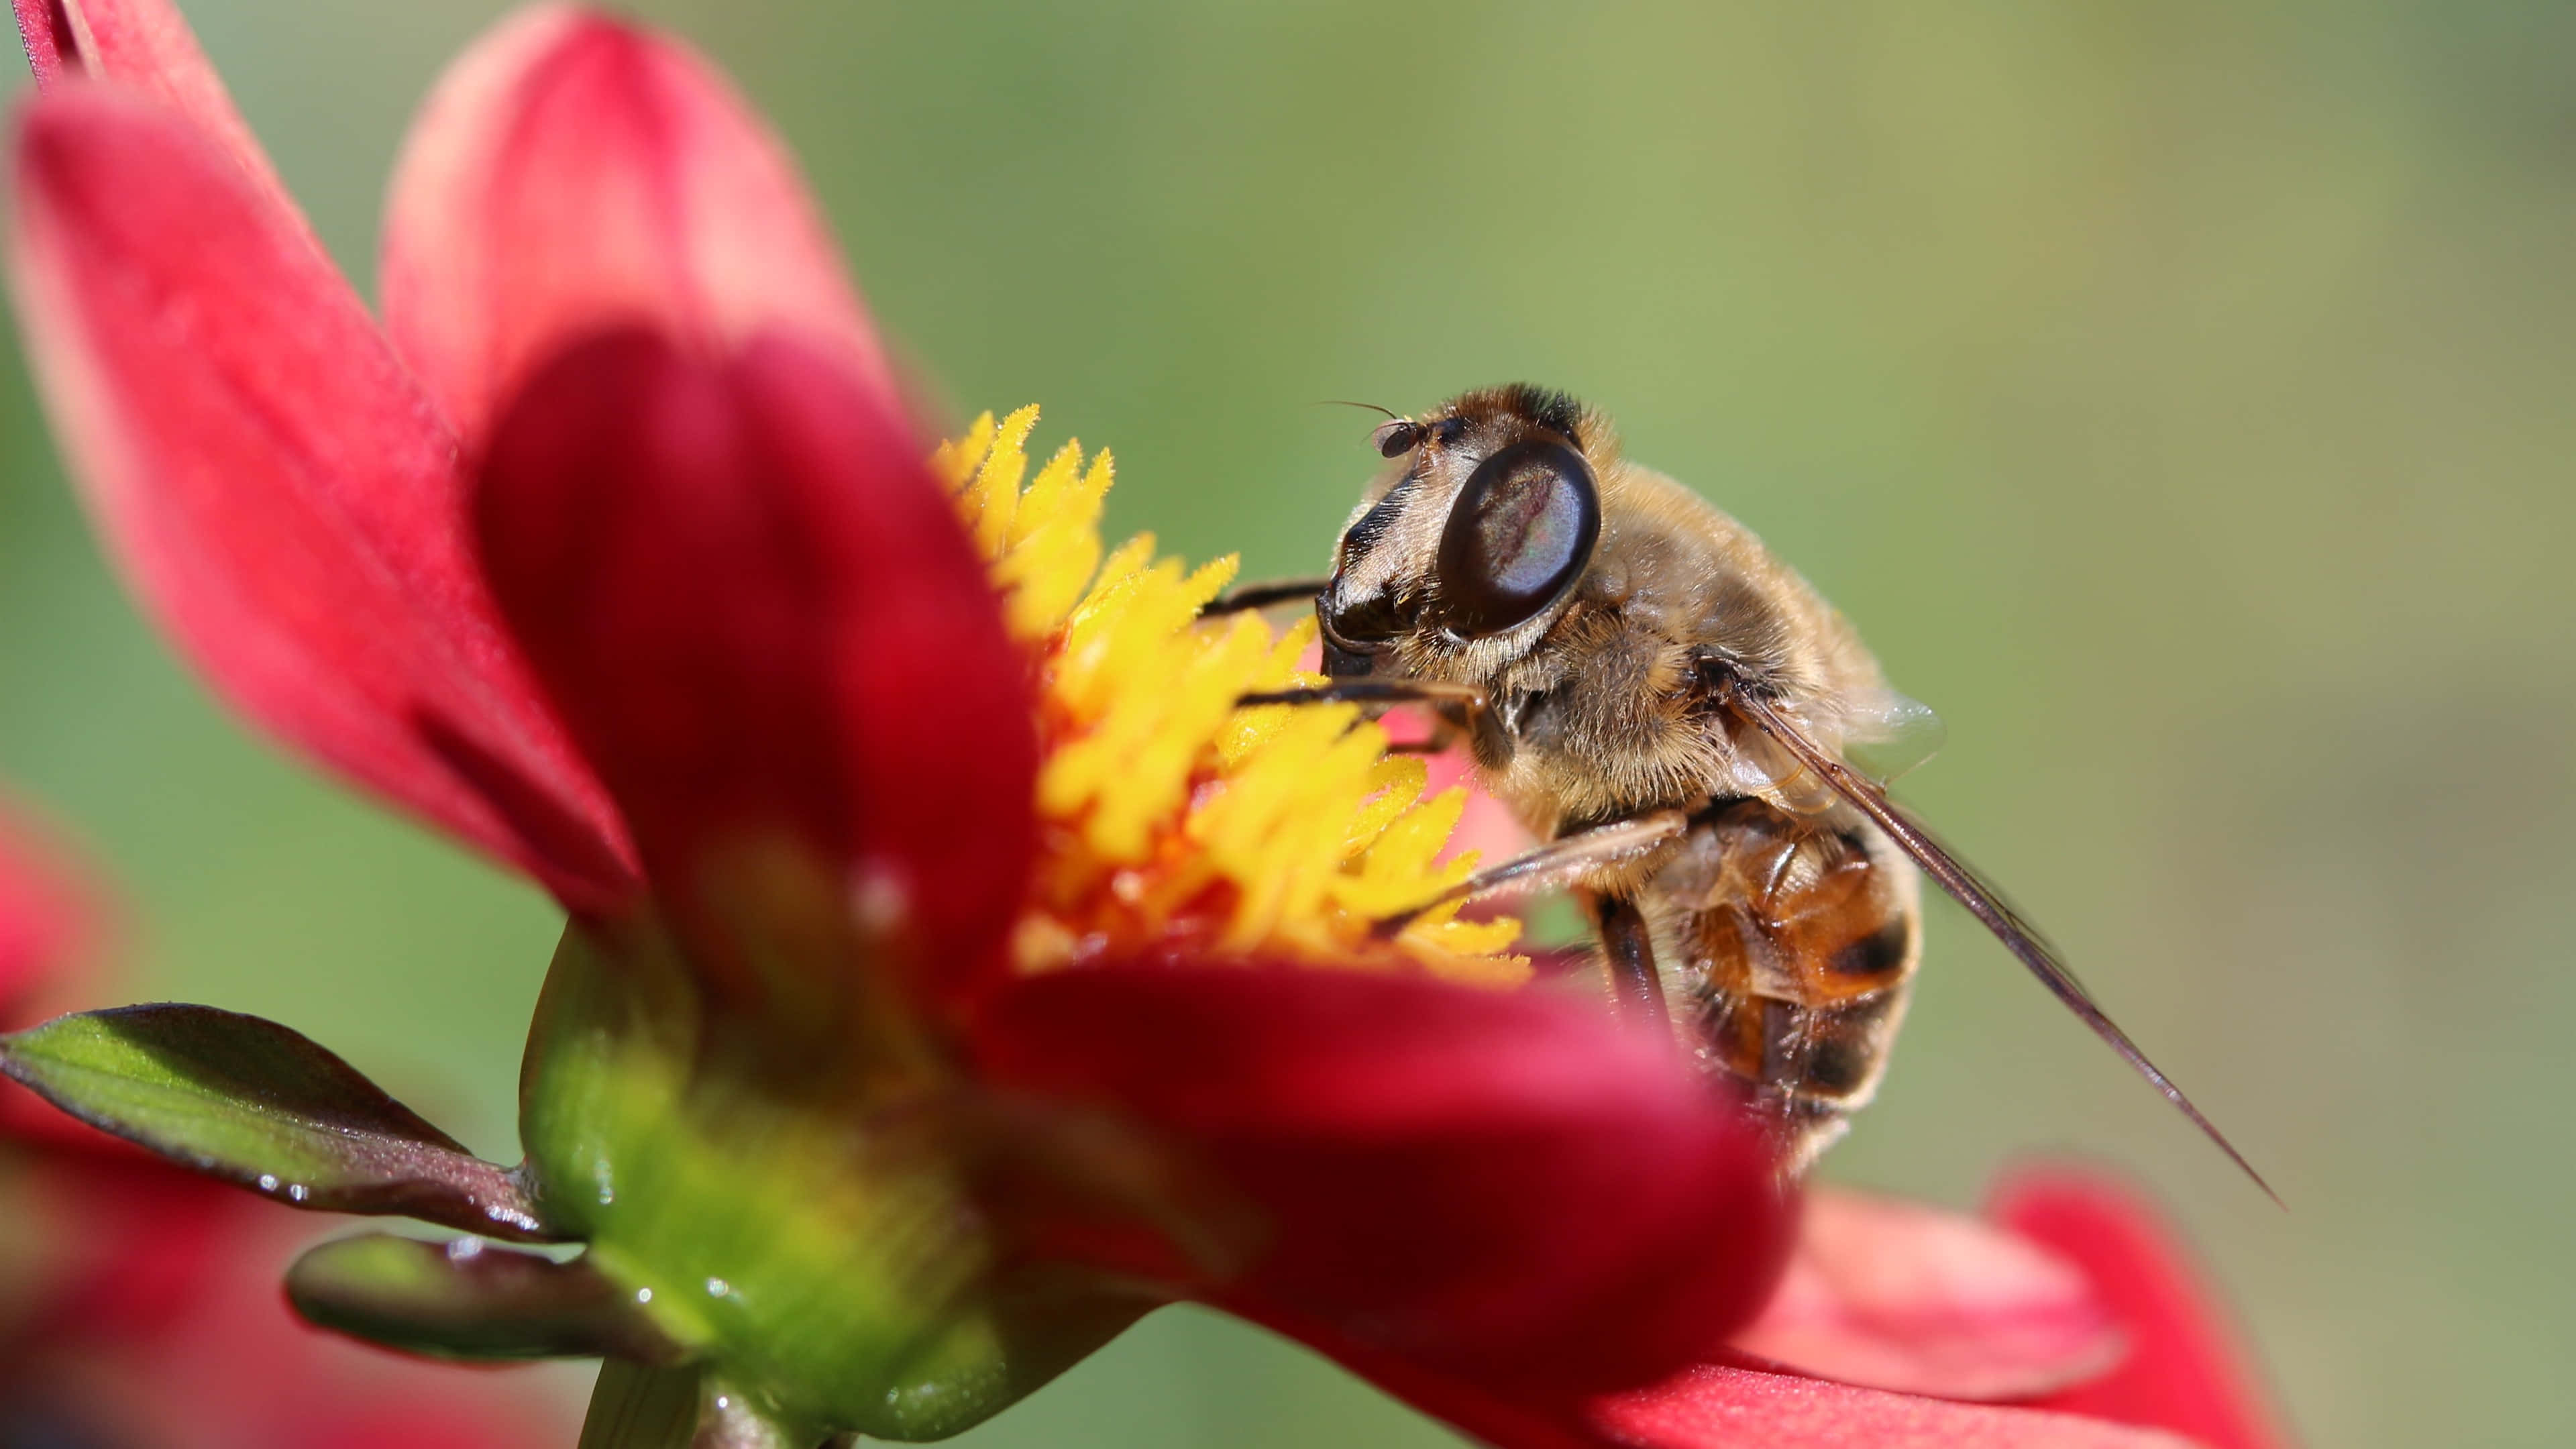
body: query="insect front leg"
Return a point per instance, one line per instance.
(1558, 862)
(1265, 594)
(1373, 691)
(1465, 704)
(1634, 982)
(1621, 926)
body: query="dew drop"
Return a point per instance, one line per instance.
(268, 1182)
(717, 1287)
(643, 1295)
(296, 1191)
(464, 1250)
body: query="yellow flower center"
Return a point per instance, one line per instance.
(1174, 824)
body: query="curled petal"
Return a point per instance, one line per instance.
(2185, 1369)
(761, 618)
(1892, 1295)
(1730, 1406)
(145, 46)
(1502, 1186)
(1714, 1405)
(572, 171)
(280, 492)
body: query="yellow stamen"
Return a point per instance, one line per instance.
(1174, 824)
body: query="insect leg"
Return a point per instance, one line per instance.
(1558, 861)
(1634, 982)
(1374, 691)
(1463, 704)
(1266, 593)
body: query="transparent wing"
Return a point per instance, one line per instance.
(1969, 889)
(1891, 735)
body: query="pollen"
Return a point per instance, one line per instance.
(1175, 824)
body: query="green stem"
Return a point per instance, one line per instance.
(635, 1407)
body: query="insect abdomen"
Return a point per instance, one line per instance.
(1791, 942)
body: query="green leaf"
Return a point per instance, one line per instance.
(470, 1300)
(253, 1103)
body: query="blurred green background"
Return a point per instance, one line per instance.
(2177, 394)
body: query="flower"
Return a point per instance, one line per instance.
(953, 974)
(895, 1055)
(132, 1306)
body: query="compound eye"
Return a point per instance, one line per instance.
(1520, 533)
(1397, 438)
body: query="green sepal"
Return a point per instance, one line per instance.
(249, 1101)
(807, 1227)
(468, 1299)
(1029, 1326)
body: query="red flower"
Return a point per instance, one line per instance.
(145, 1309)
(736, 616)
(612, 554)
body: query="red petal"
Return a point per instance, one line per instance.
(1892, 1295)
(758, 610)
(145, 47)
(280, 491)
(1504, 1185)
(160, 1322)
(135, 1240)
(49, 925)
(245, 1367)
(2185, 1369)
(47, 920)
(1715, 1406)
(573, 170)
(30, 1120)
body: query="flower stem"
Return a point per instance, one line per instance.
(636, 1407)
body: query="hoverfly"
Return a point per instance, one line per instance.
(1698, 737)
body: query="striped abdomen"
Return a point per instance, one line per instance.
(1788, 945)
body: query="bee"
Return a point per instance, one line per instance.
(1698, 738)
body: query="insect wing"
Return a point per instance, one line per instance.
(1970, 889)
(1892, 735)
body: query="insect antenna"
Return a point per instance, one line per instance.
(1390, 414)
